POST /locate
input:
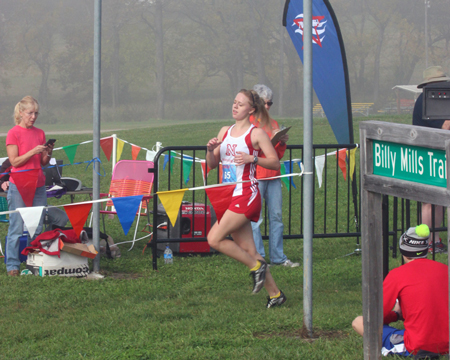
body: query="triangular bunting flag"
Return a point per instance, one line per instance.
(220, 198)
(220, 173)
(150, 155)
(205, 170)
(187, 166)
(70, 151)
(107, 145)
(26, 182)
(168, 159)
(120, 144)
(319, 161)
(31, 217)
(135, 151)
(289, 167)
(351, 156)
(77, 215)
(126, 208)
(283, 179)
(171, 200)
(341, 154)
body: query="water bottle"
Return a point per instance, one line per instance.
(168, 255)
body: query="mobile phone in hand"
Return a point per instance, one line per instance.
(50, 141)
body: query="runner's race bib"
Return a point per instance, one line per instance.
(229, 173)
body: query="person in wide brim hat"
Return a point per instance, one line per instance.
(433, 74)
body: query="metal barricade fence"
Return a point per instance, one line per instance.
(336, 209)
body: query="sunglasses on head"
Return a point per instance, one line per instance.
(269, 103)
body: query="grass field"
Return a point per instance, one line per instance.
(197, 308)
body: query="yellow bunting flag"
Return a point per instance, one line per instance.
(120, 144)
(171, 201)
(352, 161)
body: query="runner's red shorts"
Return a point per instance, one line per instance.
(240, 205)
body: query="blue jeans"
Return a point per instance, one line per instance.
(271, 192)
(15, 229)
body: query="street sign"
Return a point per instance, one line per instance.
(411, 163)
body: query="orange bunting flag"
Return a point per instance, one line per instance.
(220, 198)
(341, 155)
(135, 151)
(171, 200)
(220, 173)
(107, 145)
(120, 144)
(26, 182)
(78, 215)
(205, 170)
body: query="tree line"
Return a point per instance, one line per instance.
(187, 58)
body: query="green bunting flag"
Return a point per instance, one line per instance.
(187, 166)
(285, 180)
(71, 150)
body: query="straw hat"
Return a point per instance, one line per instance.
(433, 74)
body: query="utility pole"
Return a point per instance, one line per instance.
(427, 5)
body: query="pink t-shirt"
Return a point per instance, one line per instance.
(26, 140)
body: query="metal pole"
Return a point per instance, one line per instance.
(308, 171)
(427, 5)
(96, 128)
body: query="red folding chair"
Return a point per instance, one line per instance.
(130, 178)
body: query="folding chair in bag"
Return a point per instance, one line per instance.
(130, 178)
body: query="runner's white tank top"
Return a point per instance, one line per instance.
(232, 173)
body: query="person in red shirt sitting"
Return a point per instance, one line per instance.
(409, 294)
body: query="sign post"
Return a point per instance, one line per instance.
(405, 161)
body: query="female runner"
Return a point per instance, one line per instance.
(238, 150)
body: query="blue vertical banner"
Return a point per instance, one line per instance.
(330, 73)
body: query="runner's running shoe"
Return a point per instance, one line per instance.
(259, 277)
(278, 301)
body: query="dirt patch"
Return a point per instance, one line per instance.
(302, 334)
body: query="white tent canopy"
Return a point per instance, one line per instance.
(410, 88)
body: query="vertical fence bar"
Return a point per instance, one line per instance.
(336, 188)
(325, 187)
(385, 234)
(394, 226)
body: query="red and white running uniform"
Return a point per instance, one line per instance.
(246, 199)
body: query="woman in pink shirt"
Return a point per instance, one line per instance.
(26, 149)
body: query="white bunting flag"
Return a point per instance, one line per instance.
(320, 163)
(150, 155)
(31, 217)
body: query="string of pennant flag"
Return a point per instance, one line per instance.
(344, 157)
(126, 207)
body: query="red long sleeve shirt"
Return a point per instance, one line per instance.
(280, 148)
(421, 286)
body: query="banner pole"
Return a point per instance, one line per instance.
(96, 128)
(308, 182)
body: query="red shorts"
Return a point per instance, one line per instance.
(240, 205)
